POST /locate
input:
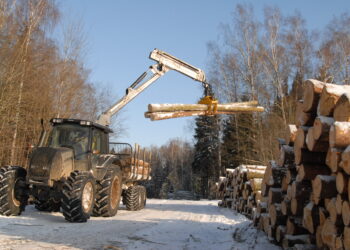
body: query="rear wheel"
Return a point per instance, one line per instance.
(78, 196)
(13, 190)
(108, 194)
(135, 198)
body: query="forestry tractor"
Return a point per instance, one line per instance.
(76, 169)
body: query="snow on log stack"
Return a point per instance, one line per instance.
(305, 194)
(167, 111)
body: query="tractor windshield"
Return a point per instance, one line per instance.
(71, 136)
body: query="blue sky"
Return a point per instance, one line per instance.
(121, 34)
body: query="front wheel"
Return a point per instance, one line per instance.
(78, 196)
(108, 194)
(13, 190)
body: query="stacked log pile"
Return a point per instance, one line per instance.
(306, 192)
(241, 188)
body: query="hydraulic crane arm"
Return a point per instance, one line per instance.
(165, 62)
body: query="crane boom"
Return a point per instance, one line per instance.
(165, 62)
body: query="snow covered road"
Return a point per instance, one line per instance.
(163, 224)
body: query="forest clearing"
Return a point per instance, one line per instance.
(264, 158)
(163, 224)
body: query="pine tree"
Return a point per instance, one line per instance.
(206, 163)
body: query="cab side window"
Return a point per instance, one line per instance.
(98, 142)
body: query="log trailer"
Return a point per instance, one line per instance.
(75, 169)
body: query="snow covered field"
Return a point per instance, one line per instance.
(163, 224)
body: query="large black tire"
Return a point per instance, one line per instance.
(135, 198)
(13, 190)
(49, 205)
(78, 196)
(108, 193)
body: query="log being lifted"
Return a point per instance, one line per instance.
(329, 97)
(168, 111)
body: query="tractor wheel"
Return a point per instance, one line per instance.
(78, 196)
(134, 198)
(49, 205)
(108, 193)
(13, 190)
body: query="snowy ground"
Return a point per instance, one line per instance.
(163, 224)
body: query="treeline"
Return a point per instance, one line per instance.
(265, 60)
(268, 60)
(40, 78)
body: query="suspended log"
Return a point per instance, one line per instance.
(322, 125)
(199, 107)
(157, 116)
(309, 172)
(342, 108)
(333, 159)
(311, 217)
(345, 212)
(290, 134)
(330, 233)
(339, 134)
(342, 183)
(286, 156)
(329, 97)
(323, 186)
(311, 94)
(303, 155)
(345, 160)
(315, 145)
